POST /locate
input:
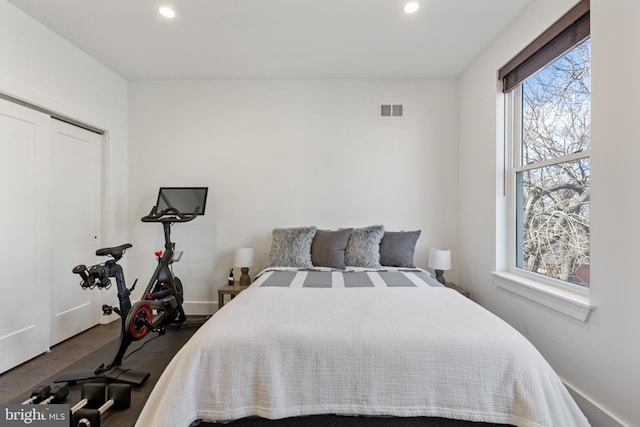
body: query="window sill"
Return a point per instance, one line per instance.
(572, 304)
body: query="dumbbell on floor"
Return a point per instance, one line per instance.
(38, 394)
(119, 397)
(91, 395)
(57, 394)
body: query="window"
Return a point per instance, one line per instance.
(548, 112)
(550, 170)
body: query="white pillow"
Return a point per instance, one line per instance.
(363, 249)
(291, 247)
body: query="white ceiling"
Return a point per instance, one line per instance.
(256, 39)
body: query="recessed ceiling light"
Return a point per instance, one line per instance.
(167, 12)
(411, 7)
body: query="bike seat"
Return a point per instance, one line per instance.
(116, 251)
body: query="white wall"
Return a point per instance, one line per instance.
(39, 67)
(600, 358)
(289, 153)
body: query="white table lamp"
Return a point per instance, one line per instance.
(440, 260)
(243, 258)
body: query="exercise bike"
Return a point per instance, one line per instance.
(161, 302)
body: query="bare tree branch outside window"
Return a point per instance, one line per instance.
(553, 214)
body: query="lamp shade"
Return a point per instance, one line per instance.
(440, 259)
(243, 257)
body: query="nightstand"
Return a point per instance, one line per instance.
(457, 288)
(232, 291)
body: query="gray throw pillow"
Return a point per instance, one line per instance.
(398, 247)
(363, 249)
(327, 249)
(291, 247)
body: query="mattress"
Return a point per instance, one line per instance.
(360, 342)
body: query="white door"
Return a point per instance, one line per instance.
(76, 171)
(24, 245)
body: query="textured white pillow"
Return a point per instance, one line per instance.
(363, 249)
(291, 247)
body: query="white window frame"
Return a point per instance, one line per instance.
(567, 298)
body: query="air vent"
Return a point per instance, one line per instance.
(391, 110)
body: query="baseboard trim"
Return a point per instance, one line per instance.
(597, 415)
(200, 307)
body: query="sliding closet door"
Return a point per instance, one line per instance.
(76, 171)
(24, 242)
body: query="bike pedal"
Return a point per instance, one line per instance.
(107, 310)
(104, 283)
(134, 285)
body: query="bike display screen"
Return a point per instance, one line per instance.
(184, 199)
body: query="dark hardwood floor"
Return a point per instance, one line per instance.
(61, 356)
(87, 351)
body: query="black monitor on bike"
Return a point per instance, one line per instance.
(184, 199)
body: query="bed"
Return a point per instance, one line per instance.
(357, 341)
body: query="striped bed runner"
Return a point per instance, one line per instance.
(347, 279)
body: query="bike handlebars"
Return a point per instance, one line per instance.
(96, 275)
(169, 215)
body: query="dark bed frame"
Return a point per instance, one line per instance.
(346, 421)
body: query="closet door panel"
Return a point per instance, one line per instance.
(76, 171)
(24, 305)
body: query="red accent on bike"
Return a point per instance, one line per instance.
(158, 253)
(149, 295)
(137, 328)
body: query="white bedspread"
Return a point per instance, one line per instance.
(281, 352)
